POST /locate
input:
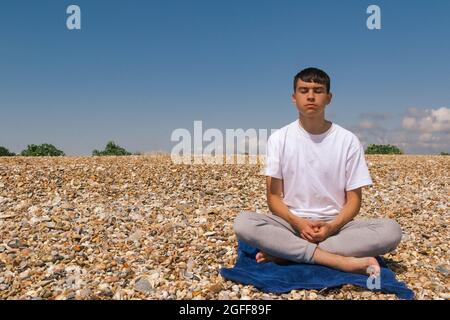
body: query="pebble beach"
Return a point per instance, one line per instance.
(142, 227)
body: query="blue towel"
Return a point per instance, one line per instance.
(277, 278)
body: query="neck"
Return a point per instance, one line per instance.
(314, 125)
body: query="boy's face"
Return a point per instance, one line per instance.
(311, 98)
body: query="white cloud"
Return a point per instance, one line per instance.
(420, 131)
(409, 123)
(366, 124)
(426, 137)
(377, 116)
(442, 114)
(428, 121)
(416, 113)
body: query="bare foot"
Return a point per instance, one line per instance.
(367, 266)
(262, 257)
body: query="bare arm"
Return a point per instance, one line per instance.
(350, 209)
(275, 201)
(279, 208)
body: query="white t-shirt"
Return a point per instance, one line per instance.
(316, 169)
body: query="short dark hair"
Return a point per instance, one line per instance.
(313, 75)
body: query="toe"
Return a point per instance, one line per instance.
(373, 270)
(259, 257)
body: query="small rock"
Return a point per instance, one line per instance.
(7, 216)
(202, 220)
(33, 209)
(143, 285)
(313, 295)
(24, 224)
(190, 264)
(112, 279)
(118, 295)
(45, 218)
(15, 244)
(24, 275)
(83, 294)
(224, 295)
(405, 237)
(136, 236)
(43, 283)
(100, 266)
(45, 294)
(104, 287)
(443, 269)
(4, 287)
(70, 296)
(57, 258)
(34, 221)
(98, 210)
(51, 225)
(56, 201)
(216, 288)
(445, 296)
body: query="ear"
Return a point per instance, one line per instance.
(330, 97)
(293, 98)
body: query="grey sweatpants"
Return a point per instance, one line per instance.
(275, 236)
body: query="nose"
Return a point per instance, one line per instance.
(310, 95)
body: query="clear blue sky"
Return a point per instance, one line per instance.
(140, 69)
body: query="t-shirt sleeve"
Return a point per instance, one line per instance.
(272, 166)
(356, 172)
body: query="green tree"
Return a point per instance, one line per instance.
(5, 152)
(111, 149)
(43, 150)
(383, 149)
(444, 153)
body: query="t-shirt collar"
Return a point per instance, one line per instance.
(314, 136)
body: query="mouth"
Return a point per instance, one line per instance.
(311, 106)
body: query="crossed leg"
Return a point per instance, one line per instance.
(352, 249)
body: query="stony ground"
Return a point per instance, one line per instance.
(141, 227)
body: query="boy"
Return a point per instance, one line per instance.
(315, 170)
